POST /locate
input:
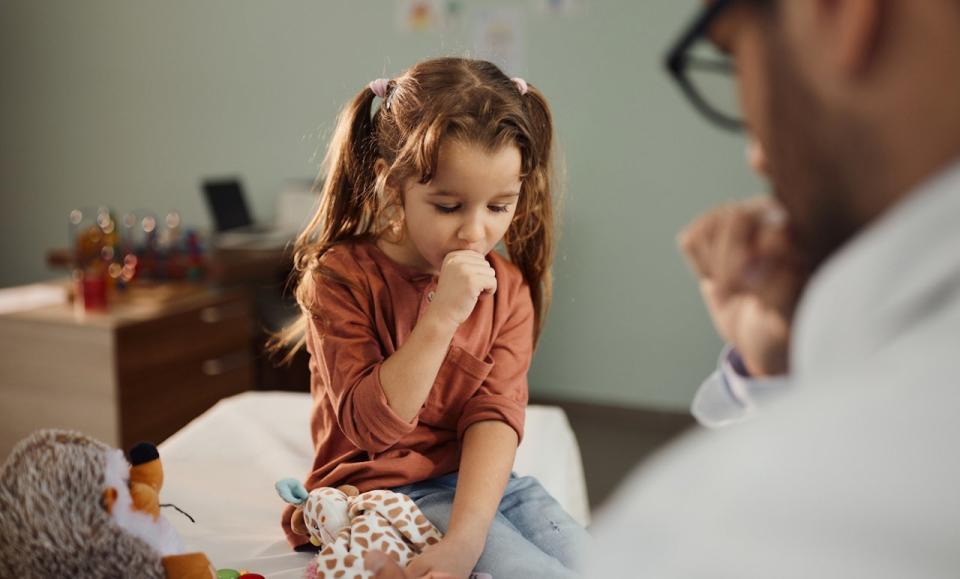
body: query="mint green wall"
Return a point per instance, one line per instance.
(129, 103)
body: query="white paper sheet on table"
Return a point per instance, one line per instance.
(222, 466)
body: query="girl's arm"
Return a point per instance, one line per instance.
(486, 459)
(408, 375)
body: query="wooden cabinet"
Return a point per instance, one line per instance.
(141, 371)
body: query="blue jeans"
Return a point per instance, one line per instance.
(531, 535)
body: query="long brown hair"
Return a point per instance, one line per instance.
(469, 100)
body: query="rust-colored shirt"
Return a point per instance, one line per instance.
(357, 437)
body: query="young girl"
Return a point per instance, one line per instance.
(420, 334)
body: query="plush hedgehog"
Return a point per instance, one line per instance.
(71, 506)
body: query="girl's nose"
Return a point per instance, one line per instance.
(471, 231)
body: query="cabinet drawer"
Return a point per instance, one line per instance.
(155, 404)
(201, 333)
(172, 369)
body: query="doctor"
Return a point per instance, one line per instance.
(849, 281)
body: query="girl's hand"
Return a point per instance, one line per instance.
(464, 275)
(383, 567)
(448, 557)
(751, 273)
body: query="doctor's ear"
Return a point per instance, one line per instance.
(851, 29)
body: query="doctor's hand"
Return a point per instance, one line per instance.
(751, 273)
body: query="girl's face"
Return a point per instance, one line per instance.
(468, 204)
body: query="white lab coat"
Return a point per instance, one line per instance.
(855, 470)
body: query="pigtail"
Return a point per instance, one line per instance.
(530, 239)
(348, 210)
(346, 194)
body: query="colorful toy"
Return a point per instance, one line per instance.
(345, 524)
(74, 507)
(237, 574)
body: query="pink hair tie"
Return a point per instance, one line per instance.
(380, 87)
(521, 85)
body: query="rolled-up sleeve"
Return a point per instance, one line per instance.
(349, 356)
(503, 394)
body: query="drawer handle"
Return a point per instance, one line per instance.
(224, 364)
(217, 314)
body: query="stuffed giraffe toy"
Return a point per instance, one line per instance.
(345, 524)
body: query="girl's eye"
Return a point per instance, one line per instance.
(447, 208)
(499, 208)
